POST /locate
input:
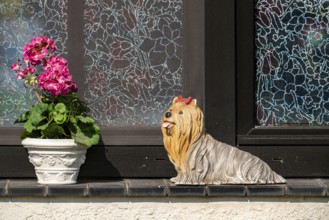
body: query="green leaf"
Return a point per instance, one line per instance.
(28, 126)
(85, 131)
(23, 117)
(59, 113)
(85, 119)
(35, 118)
(40, 108)
(53, 130)
(43, 127)
(73, 120)
(37, 113)
(60, 118)
(60, 107)
(51, 107)
(73, 104)
(24, 134)
(86, 137)
(33, 134)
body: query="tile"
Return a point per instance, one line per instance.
(325, 182)
(162, 187)
(79, 189)
(305, 187)
(26, 188)
(146, 187)
(186, 190)
(226, 190)
(107, 188)
(265, 190)
(3, 185)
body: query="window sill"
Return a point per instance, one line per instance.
(161, 188)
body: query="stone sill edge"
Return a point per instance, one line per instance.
(161, 188)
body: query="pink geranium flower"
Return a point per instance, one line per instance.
(38, 50)
(54, 63)
(28, 70)
(16, 66)
(56, 80)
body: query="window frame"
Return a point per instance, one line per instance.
(123, 151)
(193, 77)
(118, 160)
(193, 74)
(291, 151)
(248, 132)
(229, 114)
(220, 84)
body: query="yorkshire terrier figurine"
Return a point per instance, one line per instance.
(200, 159)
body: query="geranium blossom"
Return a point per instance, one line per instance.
(56, 80)
(36, 51)
(55, 63)
(15, 66)
(22, 74)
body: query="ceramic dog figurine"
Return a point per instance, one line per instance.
(200, 159)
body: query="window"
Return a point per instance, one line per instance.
(221, 64)
(275, 56)
(291, 51)
(128, 58)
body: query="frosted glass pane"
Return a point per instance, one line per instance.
(134, 59)
(292, 69)
(19, 22)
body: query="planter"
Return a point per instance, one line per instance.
(56, 161)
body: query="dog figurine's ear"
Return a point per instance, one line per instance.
(175, 100)
(194, 103)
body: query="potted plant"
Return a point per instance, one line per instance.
(57, 129)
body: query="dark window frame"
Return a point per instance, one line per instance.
(193, 74)
(220, 88)
(248, 132)
(229, 114)
(296, 151)
(123, 151)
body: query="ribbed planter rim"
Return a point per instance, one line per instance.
(50, 143)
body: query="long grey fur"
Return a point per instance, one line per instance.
(214, 162)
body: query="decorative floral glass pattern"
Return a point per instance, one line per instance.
(134, 59)
(20, 20)
(292, 62)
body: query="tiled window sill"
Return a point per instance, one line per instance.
(162, 188)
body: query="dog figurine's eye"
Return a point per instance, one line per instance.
(180, 112)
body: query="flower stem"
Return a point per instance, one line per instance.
(36, 93)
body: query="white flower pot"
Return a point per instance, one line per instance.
(56, 161)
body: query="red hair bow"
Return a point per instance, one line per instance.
(187, 101)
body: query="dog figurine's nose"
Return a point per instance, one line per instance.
(168, 114)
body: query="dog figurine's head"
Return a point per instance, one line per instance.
(182, 125)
